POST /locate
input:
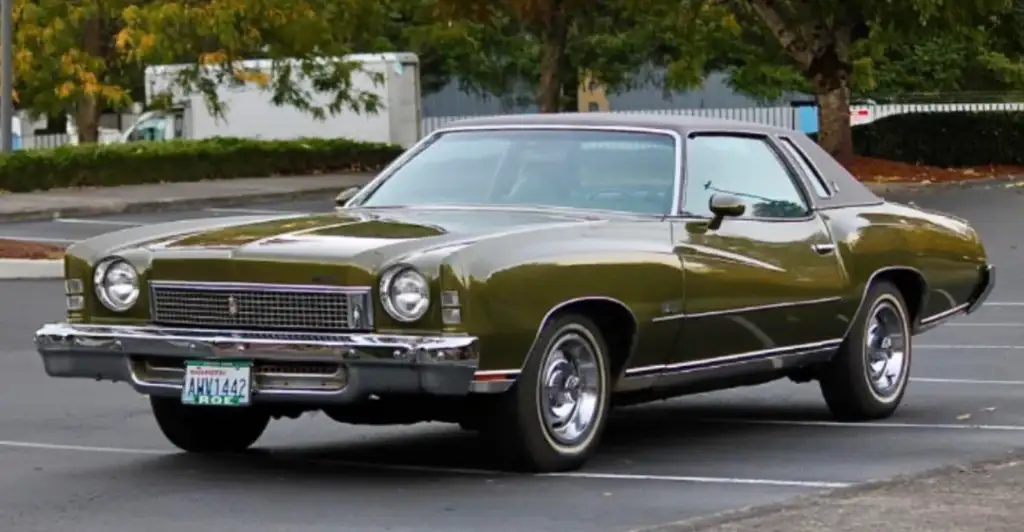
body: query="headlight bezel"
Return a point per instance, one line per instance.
(387, 281)
(101, 285)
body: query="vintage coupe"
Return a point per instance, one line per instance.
(520, 276)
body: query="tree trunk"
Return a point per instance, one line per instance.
(555, 34)
(87, 109)
(87, 120)
(834, 131)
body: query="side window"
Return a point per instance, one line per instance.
(812, 175)
(745, 167)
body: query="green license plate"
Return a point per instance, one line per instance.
(217, 383)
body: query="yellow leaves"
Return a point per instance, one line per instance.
(212, 58)
(65, 89)
(251, 76)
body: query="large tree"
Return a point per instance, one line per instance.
(546, 45)
(827, 47)
(80, 57)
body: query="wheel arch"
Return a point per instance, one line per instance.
(616, 322)
(908, 280)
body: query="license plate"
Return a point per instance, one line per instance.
(217, 383)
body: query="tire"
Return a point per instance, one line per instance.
(525, 430)
(847, 380)
(204, 429)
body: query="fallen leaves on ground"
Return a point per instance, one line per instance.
(18, 249)
(870, 169)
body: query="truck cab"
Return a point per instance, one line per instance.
(156, 126)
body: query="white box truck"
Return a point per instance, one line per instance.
(251, 113)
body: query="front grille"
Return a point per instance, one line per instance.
(260, 306)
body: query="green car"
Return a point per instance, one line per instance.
(520, 276)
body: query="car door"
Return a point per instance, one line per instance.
(761, 285)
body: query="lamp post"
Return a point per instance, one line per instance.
(6, 76)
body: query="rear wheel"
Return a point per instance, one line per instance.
(868, 377)
(552, 418)
(206, 429)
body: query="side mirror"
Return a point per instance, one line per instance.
(725, 206)
(342, 198)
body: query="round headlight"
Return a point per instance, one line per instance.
(405, 294)
(117, 284)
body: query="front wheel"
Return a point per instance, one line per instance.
(868, 377)
(208, 429)
(552, 418)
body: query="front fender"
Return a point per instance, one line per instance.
(509, 289)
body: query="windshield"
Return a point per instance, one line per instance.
(585, 169)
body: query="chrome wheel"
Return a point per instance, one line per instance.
(886, 350)
(570, 389)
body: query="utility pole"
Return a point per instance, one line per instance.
(6, 76)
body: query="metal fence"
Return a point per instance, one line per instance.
(799, 118)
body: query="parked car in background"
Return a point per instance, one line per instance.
(520, 276)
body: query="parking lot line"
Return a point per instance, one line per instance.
(39, 239)
(1008, 324)
(97, 222)
(248, 211)
(866, 425)
(1003, 304)
(967, 346)
(811, 484)
(966, 381)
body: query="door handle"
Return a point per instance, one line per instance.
(823, 249)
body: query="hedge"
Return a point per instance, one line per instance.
(950, 140)
(186, 160)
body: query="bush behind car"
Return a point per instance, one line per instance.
(187, 160)
(950, 140)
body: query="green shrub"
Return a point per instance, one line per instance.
(187, 160)
(945, 139)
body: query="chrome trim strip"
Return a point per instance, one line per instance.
(510, 373)
(260, 287)
(741, 310)
(988, 274)
(733, 359)
(677, 186)
(187, 340)
(945, 314)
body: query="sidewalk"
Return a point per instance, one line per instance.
(983, 496)
(171, 196)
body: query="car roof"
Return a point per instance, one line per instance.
(679, 123)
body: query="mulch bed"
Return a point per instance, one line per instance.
(868, 169)
(17, 249)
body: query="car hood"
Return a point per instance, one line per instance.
(364, 236)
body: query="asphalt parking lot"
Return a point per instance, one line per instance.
(83, 457)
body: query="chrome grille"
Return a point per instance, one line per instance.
(260, 306)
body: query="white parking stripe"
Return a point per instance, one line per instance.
(967, 346)
(968, 324)
(966, 381)
(96, 222)
(38, 239)
(867, 425)
(248, 211)
(1002, 304)
(811, 484)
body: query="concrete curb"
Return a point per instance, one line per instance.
(825, 497)
(11, 269)
(172, 204)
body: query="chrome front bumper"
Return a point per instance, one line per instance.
(287, 366)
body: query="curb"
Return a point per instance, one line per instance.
(12, 269)
(819, 498)
(172, 204)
